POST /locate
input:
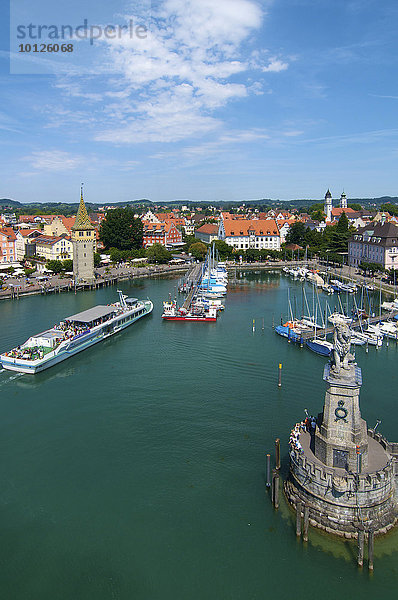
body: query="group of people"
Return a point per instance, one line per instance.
(294, 439)
(27, 353)
(71, 329)
(308, 424)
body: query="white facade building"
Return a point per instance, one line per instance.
(242, 234)
(54, 247)
(375, 243)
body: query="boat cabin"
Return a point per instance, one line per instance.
(92, 317)
(47, 339)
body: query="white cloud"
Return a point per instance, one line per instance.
(167, 87)
(275, 66)
(224, 141)
(293, 133)
(54, 160)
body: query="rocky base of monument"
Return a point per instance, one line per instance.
(341, 501)
(339, 520)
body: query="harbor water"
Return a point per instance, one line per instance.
(135, 469)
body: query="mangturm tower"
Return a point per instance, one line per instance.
(83, 240)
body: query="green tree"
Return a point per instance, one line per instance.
(158, 254)
(224, 250)
(354, 206)
(198, 250)
(121, 230)
(343, 224)
(54, 265)
(189, 240)
(371, 267)
(316, 211)
(116, 255)
(318, 215)
(251, 255)
(296, 234)
(67, 265)
(390, 208)
(97, 259)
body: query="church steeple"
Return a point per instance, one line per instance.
(82, 221)
(328, 205)
(343, 200)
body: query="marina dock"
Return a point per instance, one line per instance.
(356, 326)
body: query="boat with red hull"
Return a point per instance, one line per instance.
(171, 312)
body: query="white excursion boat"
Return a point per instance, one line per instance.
(74, 334)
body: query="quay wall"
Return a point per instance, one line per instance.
(106, 281)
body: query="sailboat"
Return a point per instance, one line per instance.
(318, 345)
(292, 329)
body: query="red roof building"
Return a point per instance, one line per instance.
(165, 233)
(7, 245)
(244, 233)
(207, 233)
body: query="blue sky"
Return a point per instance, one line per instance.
(222, 100)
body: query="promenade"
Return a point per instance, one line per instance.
(19, 287)
(16, 288)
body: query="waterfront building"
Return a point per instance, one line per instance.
(24, 243)
(7, 245)
(284, 226)
(181, 223)
(83, 237)
(375, 243)
(53, 247)
(207, 233)
(343, 472)
(242, 234)
(165, 233)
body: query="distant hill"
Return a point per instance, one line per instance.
(9, 203)
(261, 203)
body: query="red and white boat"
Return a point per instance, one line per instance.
(171, 312)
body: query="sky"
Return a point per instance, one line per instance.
(208, 100)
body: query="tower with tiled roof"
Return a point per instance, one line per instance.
(83, 239)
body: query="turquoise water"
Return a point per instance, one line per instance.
(135, 470)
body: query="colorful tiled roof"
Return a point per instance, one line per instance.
(208, 228)
(50, 240)
(82, 221)
(239, 227)
(9, 233)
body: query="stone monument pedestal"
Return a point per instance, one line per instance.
(341, 439)
(342, 472)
